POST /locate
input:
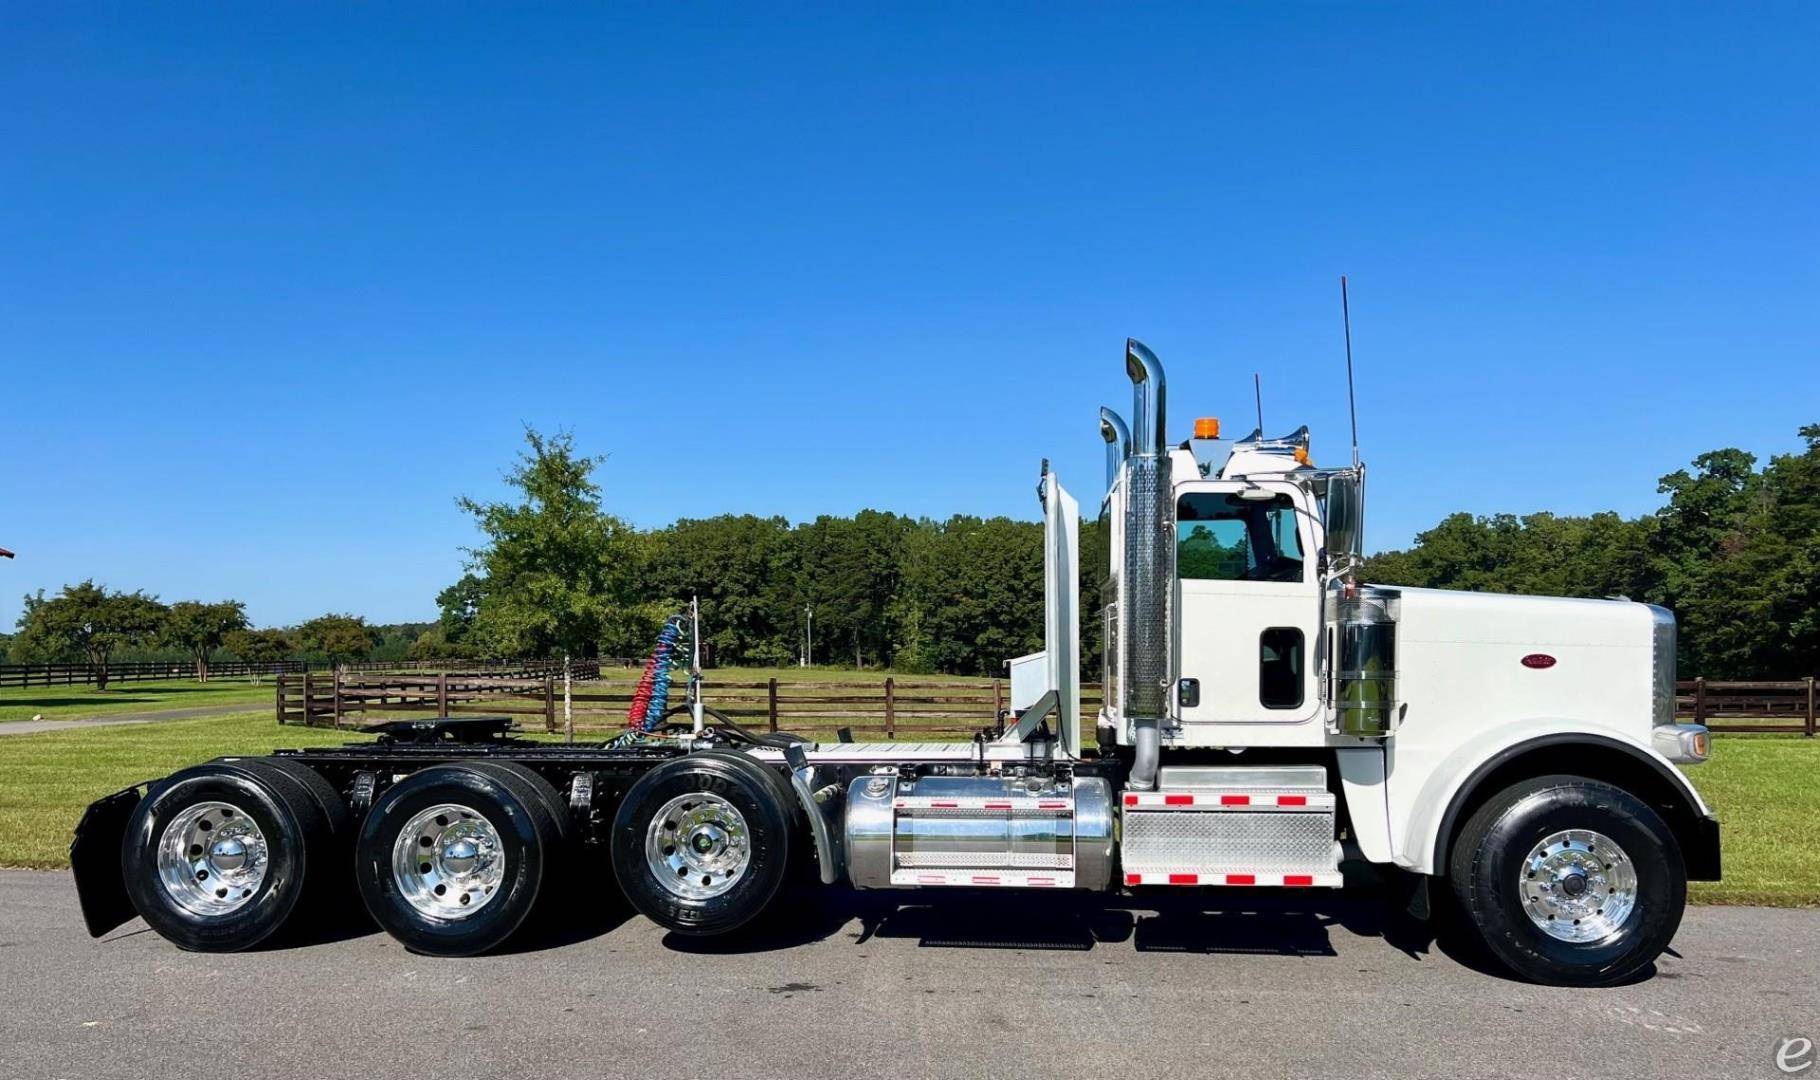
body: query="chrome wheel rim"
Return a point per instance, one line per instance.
(212, 859)
(698, 846)
(1578, 885)
(448, 862)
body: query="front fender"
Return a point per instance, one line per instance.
(1434, 812)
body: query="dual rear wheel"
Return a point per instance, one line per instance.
(225, 856)
(453, 859)
(701, 844)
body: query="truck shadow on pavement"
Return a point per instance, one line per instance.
(1213, 922)
(1298, 924)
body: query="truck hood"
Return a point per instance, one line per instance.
(1442, 616)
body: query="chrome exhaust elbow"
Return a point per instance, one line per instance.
(1118, 443)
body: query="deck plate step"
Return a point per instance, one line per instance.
(1236, 777)
(1293, 800)
(1315, 880)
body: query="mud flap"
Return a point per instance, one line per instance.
(95, 858)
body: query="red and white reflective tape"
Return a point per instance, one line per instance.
(995, 805)
(1271, 880)
(1016, 879)
(1230, 800)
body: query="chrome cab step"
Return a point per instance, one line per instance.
(1232, 825)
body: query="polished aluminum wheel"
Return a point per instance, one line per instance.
(212, 858)
(1578, 886)
(448, 862)
(698, 846)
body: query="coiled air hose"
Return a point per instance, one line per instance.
(652, 696)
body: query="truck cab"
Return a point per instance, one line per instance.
(1230, 584)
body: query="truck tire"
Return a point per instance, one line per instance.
(701, 844)
(1569, 881)
(452, 860)
(218, 857)
(334, 808)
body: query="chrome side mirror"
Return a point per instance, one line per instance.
(1344, 517)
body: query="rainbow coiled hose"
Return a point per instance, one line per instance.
(652, 696)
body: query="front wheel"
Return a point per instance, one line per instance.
(1569, 881)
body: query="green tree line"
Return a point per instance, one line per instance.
(92, 624)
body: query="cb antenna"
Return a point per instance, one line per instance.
(1352, 405)
(1257, 387)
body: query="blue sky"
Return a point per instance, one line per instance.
(276, 284)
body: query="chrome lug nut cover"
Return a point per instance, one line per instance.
(212, 859)
(698, 846)
(448, 861)
(1578, 885)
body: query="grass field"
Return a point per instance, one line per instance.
(1759, 786)
(77, 701)
(1762, 788)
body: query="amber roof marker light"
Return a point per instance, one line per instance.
(1207, 427)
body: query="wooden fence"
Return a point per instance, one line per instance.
(1787, 706)
(892, 708)
(580, 669)
(932, 709)
(136, 671)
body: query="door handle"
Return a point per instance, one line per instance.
(1188, 693)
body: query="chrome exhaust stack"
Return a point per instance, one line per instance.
(1118, 443)
(1149, 570)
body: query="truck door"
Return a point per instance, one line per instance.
(1247, 605)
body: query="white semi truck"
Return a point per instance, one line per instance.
(1267, 716)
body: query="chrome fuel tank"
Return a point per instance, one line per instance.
(1037, 832)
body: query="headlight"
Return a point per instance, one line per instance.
(1686, 744)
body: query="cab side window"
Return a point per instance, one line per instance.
(1221, 537)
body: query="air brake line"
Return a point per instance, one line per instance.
(652, 696)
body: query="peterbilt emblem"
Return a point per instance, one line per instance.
(1538, 660)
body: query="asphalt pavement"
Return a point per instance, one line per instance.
(865, 985)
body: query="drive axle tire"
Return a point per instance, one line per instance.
(452, 860)
(1570, 881)
(218, 857)
(700, 844)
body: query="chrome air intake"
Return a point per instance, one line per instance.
(1149, 566)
